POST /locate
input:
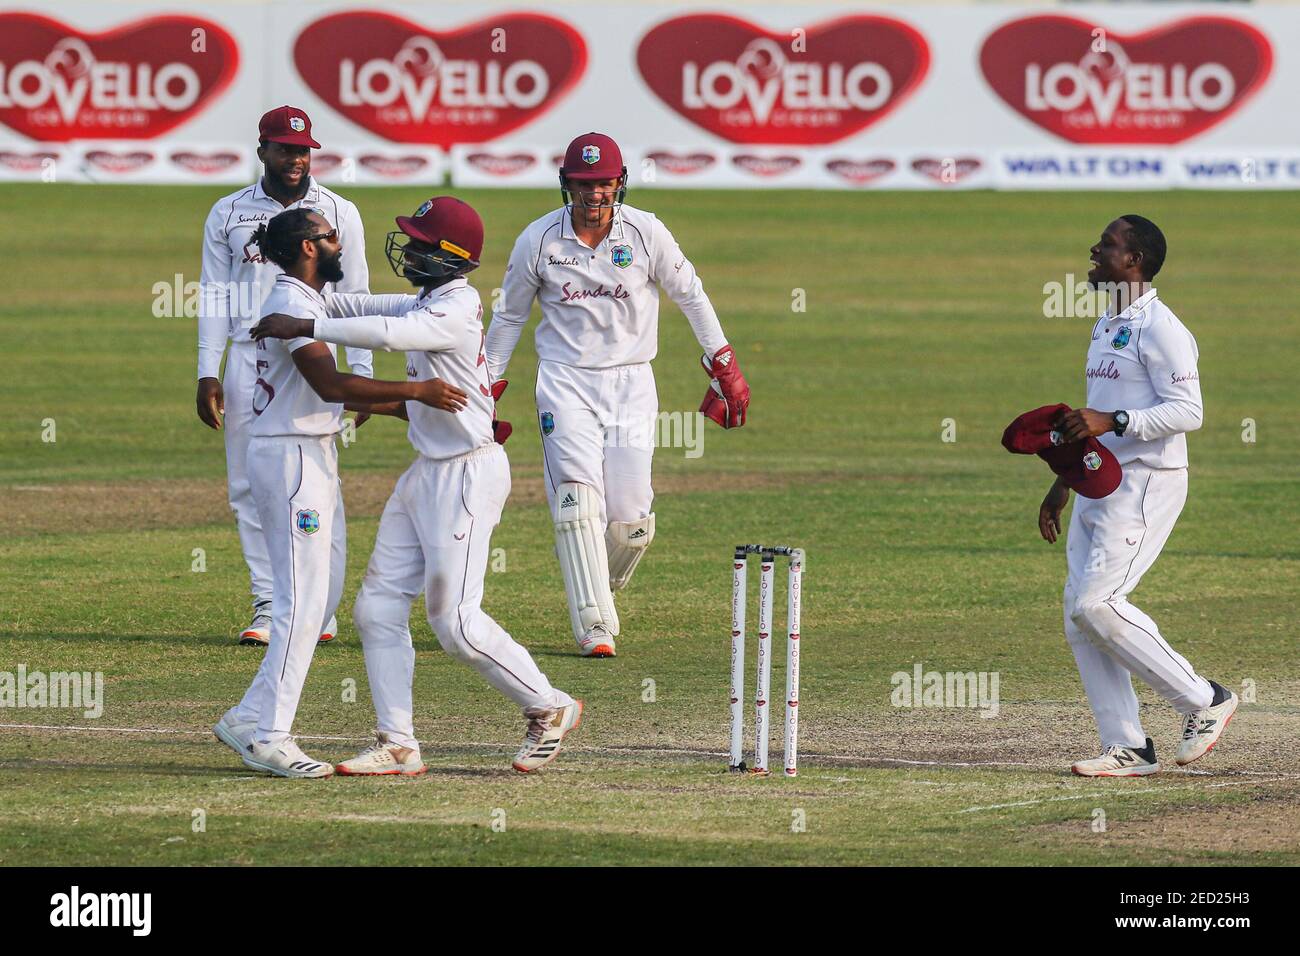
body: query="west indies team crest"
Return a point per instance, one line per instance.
(307, 521)
(1092, 461)
(548, 423)
(621, 256)
(1121, 337)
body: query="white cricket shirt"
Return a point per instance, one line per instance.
(236, 279)
(442, 335)
(600, 307)
(284, 403)
(1144, 362)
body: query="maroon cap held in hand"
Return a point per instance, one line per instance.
(287, 124)
(1087, 466)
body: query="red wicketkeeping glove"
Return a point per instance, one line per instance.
(500, 430)
(728, 396)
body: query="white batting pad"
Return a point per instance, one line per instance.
(626, 542)
(581, 549)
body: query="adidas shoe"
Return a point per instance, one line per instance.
(597, 642)
(382, 758)
(234, 734)
(259, 631)
(1202, 729)
(1117, 761)
(284, 759)
(546, 729)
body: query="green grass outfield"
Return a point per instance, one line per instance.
(919, 308)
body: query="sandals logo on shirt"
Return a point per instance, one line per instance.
(1121, 337)
(548, 423)
(307, 521)
(621, 256)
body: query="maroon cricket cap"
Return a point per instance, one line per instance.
(287, 124)
(448, 223)
(1087, 466)
(593, 156)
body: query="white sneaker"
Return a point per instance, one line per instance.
(546, 728)
(258, 632)
(597, 642)
(383, 757)
(1201, 730)
(284, 759)
(1117, 761)
(234, 734)
(331, 629)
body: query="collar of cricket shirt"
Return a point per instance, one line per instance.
(298, 283)
(424, 298)
(310, 199)
(1135, 307)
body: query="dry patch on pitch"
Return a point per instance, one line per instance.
(88, 507)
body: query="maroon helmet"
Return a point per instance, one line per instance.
(592, 156)
(442, 240)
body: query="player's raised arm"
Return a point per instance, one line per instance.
(214, 317)
(1170, 355)
(317, 366)
(510, 314)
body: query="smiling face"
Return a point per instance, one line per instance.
(593, 201)
(1113, 261)
(287, 167)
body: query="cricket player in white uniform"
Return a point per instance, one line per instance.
(1142, 367)
(297, 403)
(236, 280)
(596, 265)
(435, 532)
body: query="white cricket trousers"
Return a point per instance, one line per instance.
(598, 428)
(435, 536)
(237, 386)
(1111, 544)
(295, 482)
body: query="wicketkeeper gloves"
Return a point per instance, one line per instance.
(500, 430)
(728, 396)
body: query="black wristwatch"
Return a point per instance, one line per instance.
(1121, 423)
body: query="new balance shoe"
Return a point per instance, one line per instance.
(331, 629)
(1117, 761)
(1202, 730)
(597, 642)
(546, 730)
(233, 733)
(259, 631)
(285, 759)
(382, 758)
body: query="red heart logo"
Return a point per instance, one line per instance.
(117, 163)
(948, 169)
(27, 162)
(748, 85)
(766, 166)
(681, 165)
(860, 171)
(205, 164)
(500, 165)
(393, 167)
(413, 85)
(135, 82)
(1089, 85)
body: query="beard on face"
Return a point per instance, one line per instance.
(331, 268)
